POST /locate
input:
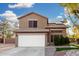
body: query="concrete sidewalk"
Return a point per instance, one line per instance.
(4, 47)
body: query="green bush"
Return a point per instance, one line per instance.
(66, 40)
(65, 49)
(61, 40)
(57, 41)
(75, 45)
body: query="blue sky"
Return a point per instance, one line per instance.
(50, 10)
(11, 11)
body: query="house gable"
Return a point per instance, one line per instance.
(24, 21)
(30, 14)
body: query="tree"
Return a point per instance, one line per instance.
(5, 30)
(76, 32)
(72, 8)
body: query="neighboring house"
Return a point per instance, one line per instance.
(34, 30)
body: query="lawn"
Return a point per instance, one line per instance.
(64, 49)
(73, 46)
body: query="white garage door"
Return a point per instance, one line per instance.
(30, 40)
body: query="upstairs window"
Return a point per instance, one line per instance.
(32, 24)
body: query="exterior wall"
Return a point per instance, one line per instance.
(0, 35)
(1, 40)
(63, 32)
(10, 40)
(41, 21)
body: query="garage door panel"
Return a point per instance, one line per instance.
(30, 40)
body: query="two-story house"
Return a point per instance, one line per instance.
(34, 30)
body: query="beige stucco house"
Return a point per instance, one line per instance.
(35, 31)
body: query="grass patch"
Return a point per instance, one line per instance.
(64, 49)
(75, 45)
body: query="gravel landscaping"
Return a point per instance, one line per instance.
(72, 53)
(67, 51)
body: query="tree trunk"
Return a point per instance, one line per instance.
(4, 40)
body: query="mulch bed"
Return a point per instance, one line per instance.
(59, 53)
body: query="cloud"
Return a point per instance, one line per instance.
(11, 17)
(21, 5)
(59, 17)
(54, 20)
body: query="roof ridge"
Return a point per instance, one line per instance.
(31, 13)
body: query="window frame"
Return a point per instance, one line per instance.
(32, 24)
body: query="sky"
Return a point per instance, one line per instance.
(50, 10)
(11, 11)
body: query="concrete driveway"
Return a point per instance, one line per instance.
(29, 51)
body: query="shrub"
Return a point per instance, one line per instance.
(66, 40)
(61, 40)
(78, 41)
(57, 41)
